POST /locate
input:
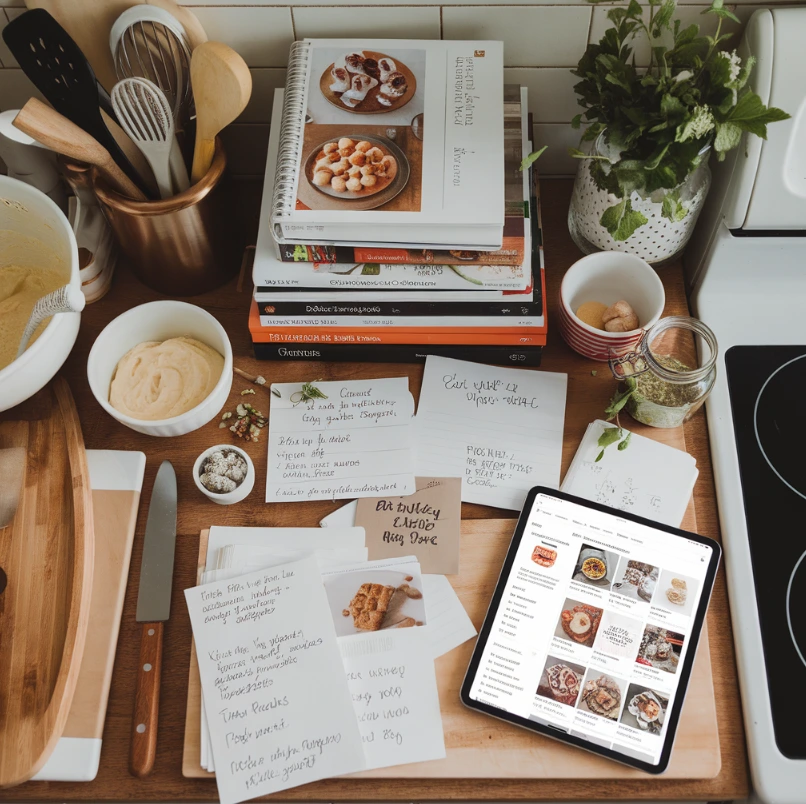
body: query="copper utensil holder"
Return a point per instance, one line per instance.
(179, 246)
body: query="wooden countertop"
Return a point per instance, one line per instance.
(230, 305)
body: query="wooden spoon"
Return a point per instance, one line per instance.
(56, 132)
(222, 85)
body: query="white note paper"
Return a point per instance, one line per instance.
(279, 716)
(500, 429)
(448, 623)
(354, 443)
(394, 690)
(647, 478)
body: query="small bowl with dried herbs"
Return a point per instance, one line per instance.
(224, 473)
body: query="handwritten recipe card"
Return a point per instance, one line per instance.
(425, 524)
(352, 441)
(268, 658)
(499, 429)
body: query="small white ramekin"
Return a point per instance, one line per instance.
(608, 277)
(238, 494)
(158, 321)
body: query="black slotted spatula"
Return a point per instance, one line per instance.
(57, 67)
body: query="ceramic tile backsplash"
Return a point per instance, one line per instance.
(533, 36)
(542, 40)
(387, 22)
(261, 35)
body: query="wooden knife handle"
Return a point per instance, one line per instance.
(146, 701)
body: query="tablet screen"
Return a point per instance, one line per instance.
(595, 617)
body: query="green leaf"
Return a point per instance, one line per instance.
(663, 17)
(599, 457)
(612, 78)
(672, 209)
(576, 121)
(750, 107)
(634, 10)
(728, 136)
(609, 436)
(625, 443)
(724, 13)
(620, 399)
(655, 159)
(671, 107)
(532, 158)
(622, 220)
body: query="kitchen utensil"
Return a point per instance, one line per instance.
(158, 321)
(29, 161)
(97, 249)
(183, 245)
(116, 478)
(90, 21)
(241, 492)
(150, 43)
(66, 299)
(36, 230)
(59, 134)
(47, 557)
(608, 277)
(153, 609)
(486, 754)
(146, 117)
(59, 70)
(222, 85)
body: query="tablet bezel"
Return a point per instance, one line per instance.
(684, 671)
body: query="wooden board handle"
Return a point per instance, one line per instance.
(146, 701)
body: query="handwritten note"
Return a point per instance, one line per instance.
(499, 429)
(353, 442)
(267, 650)
(425, 524)
(394, 690)
(647, 478)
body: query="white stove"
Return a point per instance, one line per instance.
(747, 267)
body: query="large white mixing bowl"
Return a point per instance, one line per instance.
(31, 217)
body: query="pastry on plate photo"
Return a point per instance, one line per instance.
(368, 82)
(368, 600)
(560, 681)
(660, 648)
(601, 695)
(544, 556)
(595, 566)
(645, 709)
(350, 168)
(637, 580)
(579, 623)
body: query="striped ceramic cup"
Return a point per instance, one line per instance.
(608, 277)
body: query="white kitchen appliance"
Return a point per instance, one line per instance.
(746, 267)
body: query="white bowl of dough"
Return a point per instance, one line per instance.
(192, 372)
(38, 254)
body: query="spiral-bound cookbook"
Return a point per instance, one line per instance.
(391, 141)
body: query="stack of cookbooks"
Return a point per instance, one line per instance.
(396, 221)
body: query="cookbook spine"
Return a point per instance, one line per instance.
(290, 144)
(401, 353)
(390, 336)
(269, 310)
(512, 253)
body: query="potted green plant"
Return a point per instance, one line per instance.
(650, 132)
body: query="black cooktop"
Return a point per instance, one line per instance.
(767, 387)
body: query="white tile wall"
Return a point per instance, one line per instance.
(542, 40)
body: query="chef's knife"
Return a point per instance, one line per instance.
(153, 609)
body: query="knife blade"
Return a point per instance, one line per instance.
(153, 609)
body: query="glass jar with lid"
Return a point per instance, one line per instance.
(670, 373)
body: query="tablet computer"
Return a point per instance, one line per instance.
(593, 627)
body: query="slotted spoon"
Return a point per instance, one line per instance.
(146, 116)
(59, 70)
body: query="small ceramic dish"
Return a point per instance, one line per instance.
(608, 277)
(236, 495)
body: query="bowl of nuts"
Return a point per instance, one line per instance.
(607, 301)
(224, 473)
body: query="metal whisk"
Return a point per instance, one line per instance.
(149, 42)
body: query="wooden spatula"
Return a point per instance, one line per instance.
(56, 132)
(222, 85)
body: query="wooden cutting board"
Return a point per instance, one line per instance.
(47, 554)
(116, 478)
(481, 747)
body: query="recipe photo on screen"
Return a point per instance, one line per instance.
(593, 626)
